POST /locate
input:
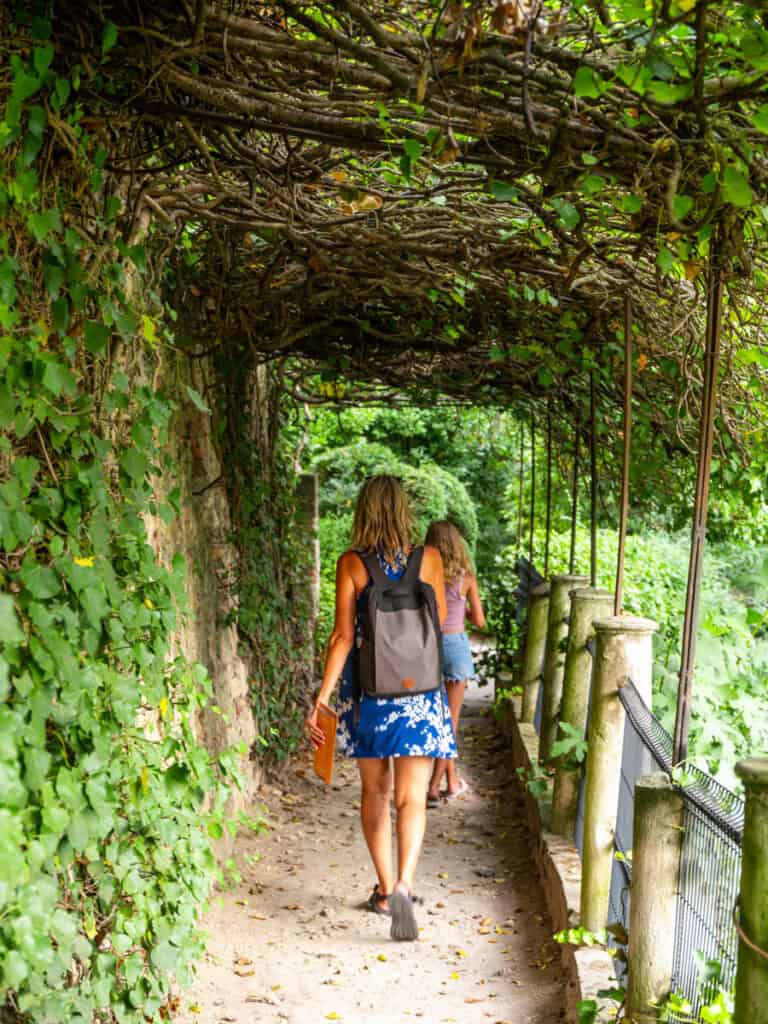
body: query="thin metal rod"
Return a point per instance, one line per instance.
(533, 485)
(592, 482)
(521, 482)
(574, 496)
(549, 490)
(715, 287)
(625, 461)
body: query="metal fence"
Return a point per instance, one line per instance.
(706, 942)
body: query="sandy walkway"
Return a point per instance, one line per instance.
(291, 944)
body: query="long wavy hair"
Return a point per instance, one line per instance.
(446, 538)
(383, 520)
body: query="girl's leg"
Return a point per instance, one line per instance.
(411, 778)
(437, 777)
(376, 780)
(455, 692)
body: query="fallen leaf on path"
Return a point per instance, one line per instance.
(332, 1016)
(293, 906)
(243, 961)
(268, 1000)
(258, 917)
(195, 1008)
(475, 999)
(242, 972)
(442, 874)
(454, 975)
(381, 957)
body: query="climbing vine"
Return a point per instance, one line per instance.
(105, 855)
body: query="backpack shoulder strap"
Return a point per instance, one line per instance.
(371, 563)
(414, 565)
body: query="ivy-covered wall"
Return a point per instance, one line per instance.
(141, 577)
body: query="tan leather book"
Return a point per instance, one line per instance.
(327, 720)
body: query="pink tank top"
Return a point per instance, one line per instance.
(457, 607)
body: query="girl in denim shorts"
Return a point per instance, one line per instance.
(463, 600)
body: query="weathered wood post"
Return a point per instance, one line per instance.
(657, 842)
(535, 641)
(587, 604)
(623, 651)
(554, 657)
(752, 972)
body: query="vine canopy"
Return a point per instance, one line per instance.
(451, 196)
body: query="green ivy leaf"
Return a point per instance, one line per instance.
(96, 336)
(108, 37)
(760, 119)
(682, 206)
(736, 188)
(665, 260)
(40, 580)
(10, 630)
(503, 192)
(41, 59)
(587, 82)
(197, 399)
(134, 464)
(41, 224)
(58, 378)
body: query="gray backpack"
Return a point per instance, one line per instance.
(401, 646)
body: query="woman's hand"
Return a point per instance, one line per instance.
(313, 730)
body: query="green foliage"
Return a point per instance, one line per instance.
(273, 612)
(105, 845)
(433, 493)
(732, 649)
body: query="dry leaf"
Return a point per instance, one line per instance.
(381, 957)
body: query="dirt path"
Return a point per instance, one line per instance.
(291, 944)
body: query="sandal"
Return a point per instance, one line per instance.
(463, 788)
(374, 901)
(433, 801)
(404, 927)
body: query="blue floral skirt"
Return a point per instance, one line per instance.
(417, 725)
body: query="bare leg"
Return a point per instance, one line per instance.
(376, 780)
(455, 692)
(411, 778)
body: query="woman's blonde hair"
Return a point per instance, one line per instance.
(383, 519)
(446, 538)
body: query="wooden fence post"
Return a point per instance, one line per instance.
(657, 843)
(752, 970)
(587, 604)
(533, 657)
(623, 651)
(554, 657)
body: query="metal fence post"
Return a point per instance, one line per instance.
(657, 847)
(623, 650)
(587, 604)
(536, 638)
(752, 971)
(554, 657)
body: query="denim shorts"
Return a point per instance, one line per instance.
(457, 658)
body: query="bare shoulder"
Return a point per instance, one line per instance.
(431, 557)
(350, 564)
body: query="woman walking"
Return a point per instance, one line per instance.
(458, 668)
(411, 729)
